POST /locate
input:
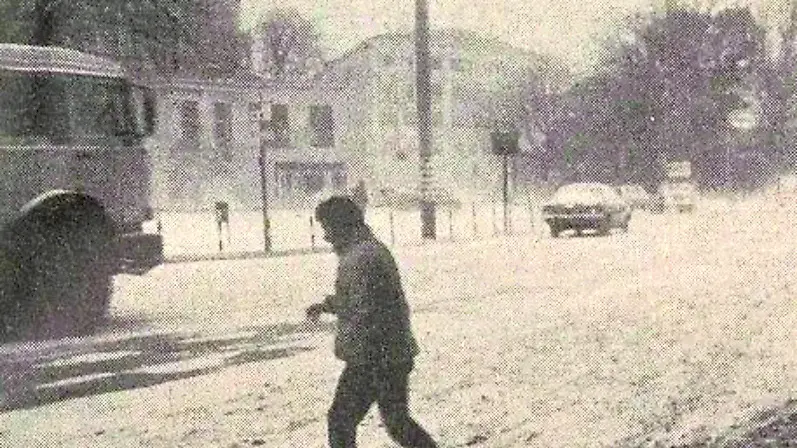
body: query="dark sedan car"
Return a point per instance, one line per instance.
(586, 206)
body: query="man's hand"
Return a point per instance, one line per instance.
(314, 311)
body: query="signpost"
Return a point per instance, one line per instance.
(505, 144)
(681, 169)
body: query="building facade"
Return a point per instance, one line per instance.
(211, 135)
(355, 123)
(470, 77)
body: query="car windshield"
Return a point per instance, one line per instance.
(682, 188)
(580, 193)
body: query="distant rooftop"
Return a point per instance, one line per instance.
(56, 60)
(469, 39)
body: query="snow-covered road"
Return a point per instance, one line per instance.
(680, 331)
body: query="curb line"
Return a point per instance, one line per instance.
(243, 255)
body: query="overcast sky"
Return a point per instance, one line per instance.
(565, 27)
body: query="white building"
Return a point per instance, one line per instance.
(208, 141)
(354, 122)
(469, 73)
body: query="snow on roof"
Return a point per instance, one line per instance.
(29, 58)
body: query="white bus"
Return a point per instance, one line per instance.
(74, 188)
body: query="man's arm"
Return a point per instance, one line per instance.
(327, 306)
(354, 290)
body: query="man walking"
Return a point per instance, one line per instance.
(373, 330)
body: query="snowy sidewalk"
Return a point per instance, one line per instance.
(197, 236)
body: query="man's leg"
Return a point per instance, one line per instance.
(354, 395)
(394, 408)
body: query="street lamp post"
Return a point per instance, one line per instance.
(424, 108)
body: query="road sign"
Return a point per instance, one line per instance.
(505, 143)
(679, 170)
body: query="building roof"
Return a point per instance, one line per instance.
(29, 58)
(437, 37)
(246, 81)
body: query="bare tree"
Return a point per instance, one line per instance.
(780, 79)
(164, 35)
(288, 44)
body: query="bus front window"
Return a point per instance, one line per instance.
(62, 108)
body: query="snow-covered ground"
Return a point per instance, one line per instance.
(680, 331)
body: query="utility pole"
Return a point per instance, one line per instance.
(263, 143)
(424, 107)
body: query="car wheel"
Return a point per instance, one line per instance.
(604, 227)
(555, 231)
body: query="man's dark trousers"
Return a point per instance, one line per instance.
(358, 388)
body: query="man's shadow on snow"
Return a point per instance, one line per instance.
(29, 379)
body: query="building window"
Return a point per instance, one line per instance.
(222, 128)
(253, 120)
(388, 115)
(189, 122)
(322, 123)
(409, 92)
(280, 124)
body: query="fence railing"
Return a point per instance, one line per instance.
(198, 233)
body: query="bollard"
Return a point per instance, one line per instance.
(532, 225)
(495, 224)
(312, 233)
(392, 230)
(450, 225)
(473, 213)
(222, 212)
(508, 221)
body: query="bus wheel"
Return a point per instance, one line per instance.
(62, 256)
(71, 281)
(13, 315)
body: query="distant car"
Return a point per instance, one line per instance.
(636, 196)
(586, 206)
(678, 196)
